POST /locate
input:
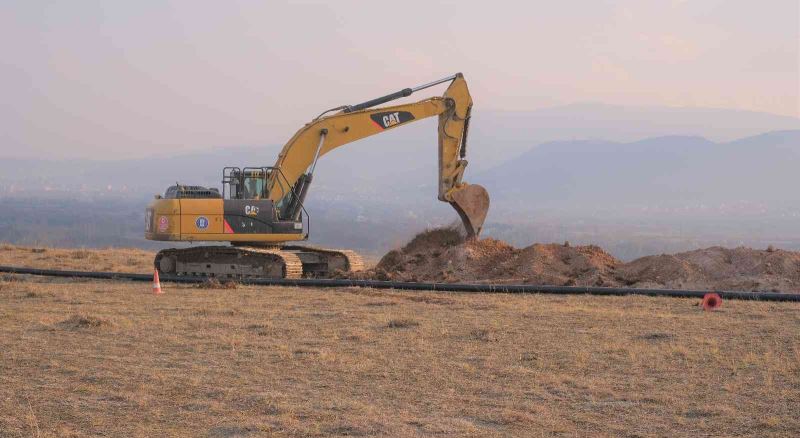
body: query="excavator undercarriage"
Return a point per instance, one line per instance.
(257, 261)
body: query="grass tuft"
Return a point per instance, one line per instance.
(80, 321)
(401, 323)
(213, 283)
(657, 336)
(81, 254)
(12, 278)
(482, 335)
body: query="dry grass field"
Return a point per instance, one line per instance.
(111, 260)
(86, 358)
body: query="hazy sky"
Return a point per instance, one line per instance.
(113, 79)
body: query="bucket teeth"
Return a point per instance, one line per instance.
(471, 202)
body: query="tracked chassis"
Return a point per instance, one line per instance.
(257, 261)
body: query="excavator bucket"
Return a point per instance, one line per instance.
(472, 203)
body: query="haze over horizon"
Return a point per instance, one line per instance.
(129, 80)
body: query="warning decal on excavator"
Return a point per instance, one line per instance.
(389, 119)
(163, 223)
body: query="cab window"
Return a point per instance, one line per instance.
(253, 188)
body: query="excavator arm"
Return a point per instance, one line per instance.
(299, 156)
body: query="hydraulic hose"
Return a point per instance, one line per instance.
(405, 92)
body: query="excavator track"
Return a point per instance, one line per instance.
(289, 262)
(352, 260)
(230, 262)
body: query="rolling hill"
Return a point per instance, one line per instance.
(672, 169)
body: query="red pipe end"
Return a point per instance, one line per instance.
(711, 301)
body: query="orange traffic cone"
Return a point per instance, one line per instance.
(156, 284)
(711, 301)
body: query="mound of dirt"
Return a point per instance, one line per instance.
(716, 268)
(443, 255)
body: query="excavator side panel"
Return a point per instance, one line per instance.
(201, 217)
(210, 220)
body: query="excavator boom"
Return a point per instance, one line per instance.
(299, 156)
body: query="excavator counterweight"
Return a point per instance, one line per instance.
(260, 209)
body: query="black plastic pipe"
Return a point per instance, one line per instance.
(417, 286)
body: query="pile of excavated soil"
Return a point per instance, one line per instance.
(443, 255)
(716, 268)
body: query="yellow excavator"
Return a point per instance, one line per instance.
(260, 209)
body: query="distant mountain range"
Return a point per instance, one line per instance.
(664, 170)
(584, 152)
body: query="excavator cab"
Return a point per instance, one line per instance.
(247, 184)
(256, 183)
